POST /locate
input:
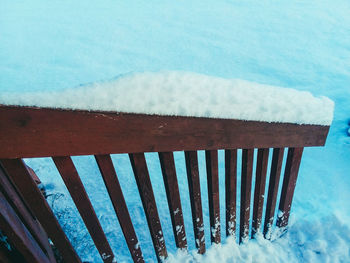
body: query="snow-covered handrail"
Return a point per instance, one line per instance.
(31, 131)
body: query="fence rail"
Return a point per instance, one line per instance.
(27, 132)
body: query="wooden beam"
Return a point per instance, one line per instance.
(39, 132)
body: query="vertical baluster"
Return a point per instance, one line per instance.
(18, 234)
(77, 191)
(139, 166)
(195, 198)
(172, 191)
(289, 182)
(24, 214)
(230, 190)
(211, 158)
(260, 180)
(19, 174)
(246, 186)
(276, 165)
(111, 181)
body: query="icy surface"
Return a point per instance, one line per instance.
(48, 46)
(187, 94)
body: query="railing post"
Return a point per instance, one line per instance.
(289, 182)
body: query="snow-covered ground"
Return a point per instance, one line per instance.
(50, 46)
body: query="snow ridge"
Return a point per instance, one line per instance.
(186, 94)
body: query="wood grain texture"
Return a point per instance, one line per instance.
(22, 211)
(18, 235)
(230, 190)
(195, 199)
(259, 192)
(211, 157)
(288, 186)
(20, 176)
(139, 166)
(116, 195)
(246, 187)
(34, 132)
(77, 191)
(172, 191)
(275, 173)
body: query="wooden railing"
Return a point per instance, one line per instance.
(28, 221)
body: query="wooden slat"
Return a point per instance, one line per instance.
(24, 214)
(195, 198)
(18, 234)
(230, 190)
(33, 132)
(17, 171)
(172, 191)
(139, 166)
(111, 181)
(246, 186)
(77, 191)
(259, 192)
(289, 182)
(211, 158)
(276, 165)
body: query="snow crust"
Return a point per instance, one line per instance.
(186, 94)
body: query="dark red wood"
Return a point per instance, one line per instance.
(288, 186)
(34, 132)
(211, 157)
(18, 234)
(195, 198)
(259, 192)
(20, 176)
(111, 181)
(276, 165)
(172, 191)
(246, 186)
(230, 190)
(139, 166)
(21, 209)
(77, 191)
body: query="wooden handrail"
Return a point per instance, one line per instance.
(35, 132)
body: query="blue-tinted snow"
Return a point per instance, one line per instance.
(186, 94)
(296, 44)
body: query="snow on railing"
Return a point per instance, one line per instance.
(211, 114)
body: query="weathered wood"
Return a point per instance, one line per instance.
(21, 209)
(111, 181)
(139, 166)
(20, 176)
(172, 191)
(246, 186)
(230, 190)
(18, 234)
(288, 186)
(195, 199)
(276, 166)
(211, 158)
(77, 191)
(259, 192)
(34, 132)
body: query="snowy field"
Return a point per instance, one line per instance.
(57, 45)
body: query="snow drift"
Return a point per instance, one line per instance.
(187, 94)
